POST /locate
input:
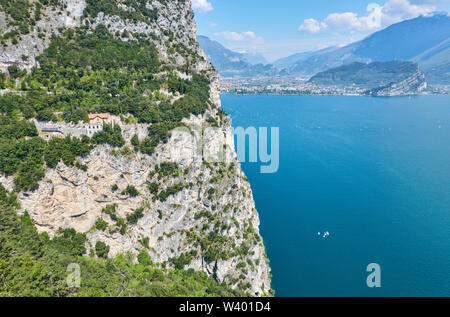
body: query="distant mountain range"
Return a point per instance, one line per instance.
(233, 64)
(424, 40)
(254, 58)
(435, 62)
(288, 62)
(377, 78)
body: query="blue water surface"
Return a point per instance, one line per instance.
(373, 172)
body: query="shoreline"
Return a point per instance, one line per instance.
(347, 95)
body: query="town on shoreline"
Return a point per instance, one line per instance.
(279, 85)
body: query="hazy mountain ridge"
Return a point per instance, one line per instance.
(232, 64)
(435, 62)
(378, 78)
(289, 61)
(424, 40)
(416, 40)
(254, 58)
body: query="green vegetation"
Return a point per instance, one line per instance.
(172, 190)
(184, 259)
(25, 155)
(15, 72)
(135, 141)
(145, 242)
(22, 16)
(84, 72)
(139, 10)
(25, 159)
(154, 188)
(101, 249)
(101, 224)
(135, 216)
(66, 149)
(111, 211)
(213, 243)
(8, 199)
(144, 258)
(68, 240)
(32, 264)
(120, 223)
(111, 134)
(131, 191)
(95, 72)
(204, 214)
(167, 169)
(367, 76)
(163, 171)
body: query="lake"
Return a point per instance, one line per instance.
(373, 172)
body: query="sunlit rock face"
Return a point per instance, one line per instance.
(209, 204)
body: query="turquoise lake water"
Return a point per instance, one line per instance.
(374, 172)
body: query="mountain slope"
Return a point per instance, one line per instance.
(287, 62)
(405, 40)
(379, 77)
(435, 63)
(142, 187)
(322, 62)
(254, 58)
(221, 57)
(232, 64)
(402, 41)
(31, 265)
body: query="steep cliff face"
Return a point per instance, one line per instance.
(189, 211)
(50, 20)
(378, 78)
(412, 85)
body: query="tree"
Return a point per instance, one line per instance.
(135, 141)
(134, 217)
(144, 258)
(101, 249)
(131, 191)
(101, 224)
(15, 72)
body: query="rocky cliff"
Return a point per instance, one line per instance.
(378, 78)
(412, 85)
(186, 210)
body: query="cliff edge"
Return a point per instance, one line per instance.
(180, 194)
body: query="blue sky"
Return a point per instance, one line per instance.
(278, 28)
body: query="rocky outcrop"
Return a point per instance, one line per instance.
(31, 45)
(412, 85)
(73, 198)
(202, 211)
(173, 22)
(174, 19)
(377, 78)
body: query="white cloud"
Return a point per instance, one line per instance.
(234, 36)
(344, 21)
(434, 2)
(377, 17)
(242, 41)
(202, 6)
(312, 26)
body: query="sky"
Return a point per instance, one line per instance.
(279, 28)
